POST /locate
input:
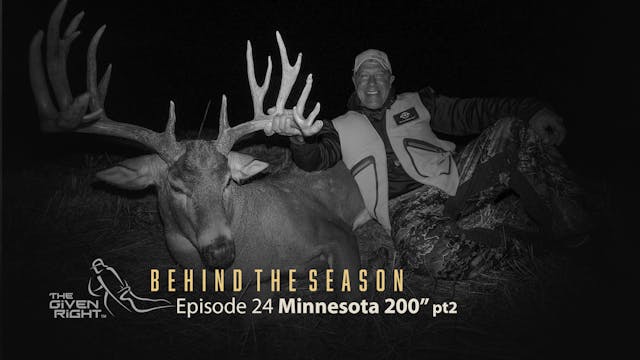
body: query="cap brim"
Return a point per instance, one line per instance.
(384, 66)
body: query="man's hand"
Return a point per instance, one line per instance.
(548, 125)
(292, 122)
(282, 124)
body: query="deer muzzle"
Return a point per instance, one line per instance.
(219, 254)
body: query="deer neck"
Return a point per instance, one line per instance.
(235, 203)
(244, 203)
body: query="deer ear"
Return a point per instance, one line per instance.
(134, 174)
(244, 166)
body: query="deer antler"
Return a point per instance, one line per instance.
(257, 92)
(289, 75)
(71, 113)
(228, 136)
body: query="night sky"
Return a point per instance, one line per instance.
(193, 53)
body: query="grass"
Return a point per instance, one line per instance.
(57, 219)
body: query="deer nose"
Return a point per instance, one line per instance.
(219, 254)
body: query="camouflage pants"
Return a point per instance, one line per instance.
(512, 187)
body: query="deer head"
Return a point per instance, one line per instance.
(193, 178)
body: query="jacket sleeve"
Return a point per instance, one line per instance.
(318, 152)
(456, 116)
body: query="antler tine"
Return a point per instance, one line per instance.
(224, 143)
(228, 136)
(57, 50)
(170, 129)
(46, 110)
(289, 75)
(224, 122)
(71, 112)
(98, 91)
(257, 92)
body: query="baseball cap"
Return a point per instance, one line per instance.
(372, 54)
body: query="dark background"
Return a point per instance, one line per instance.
(194, 52)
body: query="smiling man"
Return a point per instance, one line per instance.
(373, 78)
(426, 193)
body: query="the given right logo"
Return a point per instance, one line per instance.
(105, 283)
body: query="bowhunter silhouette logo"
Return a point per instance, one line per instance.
(106, 283)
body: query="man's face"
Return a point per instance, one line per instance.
(372, 83)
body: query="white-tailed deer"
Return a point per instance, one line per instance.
(287, 221)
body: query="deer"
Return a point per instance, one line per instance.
(213, 215)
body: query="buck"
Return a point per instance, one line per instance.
(210, 219)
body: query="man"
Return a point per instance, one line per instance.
(389, 143)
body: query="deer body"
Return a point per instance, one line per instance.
(282, 221)
(288, 240)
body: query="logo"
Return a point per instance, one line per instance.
(64, 306)
(114, 295)
(106, 283)
(406, 116)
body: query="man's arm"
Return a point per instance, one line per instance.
(318, 152)
(456, 116)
